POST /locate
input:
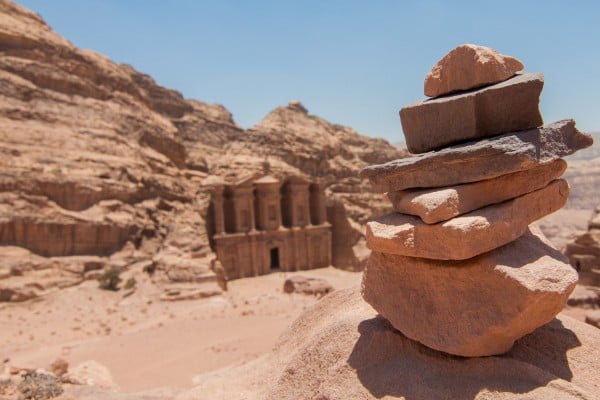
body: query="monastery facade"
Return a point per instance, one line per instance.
(265, 224)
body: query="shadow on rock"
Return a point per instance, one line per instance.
(389, 364)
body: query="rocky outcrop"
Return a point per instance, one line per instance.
(41, 226)
(307, 285)
(361, 356)
(347, 239)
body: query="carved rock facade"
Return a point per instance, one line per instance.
(265, 224)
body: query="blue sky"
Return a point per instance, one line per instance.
(355, 63)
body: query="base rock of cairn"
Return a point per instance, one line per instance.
(476, 306)
(457, 267)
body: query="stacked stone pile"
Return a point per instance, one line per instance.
(457, 266)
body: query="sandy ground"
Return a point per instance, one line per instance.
(147, 343)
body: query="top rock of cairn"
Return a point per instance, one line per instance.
(469, 66)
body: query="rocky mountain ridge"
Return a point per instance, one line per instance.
(101, 166)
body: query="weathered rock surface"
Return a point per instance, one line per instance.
(347, 237)
(435, 205)
(361, 356)
(467, 67)
(193, 291)
(584, 252)
(91, 373)
(47, 229)
(477, 161)
(467, 235)
(475, 307)
(509, 106)
(307, 285)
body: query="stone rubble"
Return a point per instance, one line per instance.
(457, 266)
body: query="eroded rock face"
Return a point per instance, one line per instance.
(91, 159)
(467, 235)
(99, 158)
(476, 307)
(508, 106)
(441, 204)
(45, 228)
(467, 67)
(477, 161)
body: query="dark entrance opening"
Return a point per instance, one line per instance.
(275, 258)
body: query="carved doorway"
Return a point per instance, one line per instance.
(275, 258)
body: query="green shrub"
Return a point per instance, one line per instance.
(129, 284)
(110, 279)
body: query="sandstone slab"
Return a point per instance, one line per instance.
(480, 160)
(512, 105)
(435, 205)
(469, 66)
(468, 235)
(477, 307)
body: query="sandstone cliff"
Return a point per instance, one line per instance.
(99, 162)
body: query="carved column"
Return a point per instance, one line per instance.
(219, 217)
(318, 211)
(243, 205)
(268, 203)
(297, 200)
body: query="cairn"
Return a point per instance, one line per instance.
(458, 265)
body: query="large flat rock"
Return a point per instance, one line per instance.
(512, 105)
(469, 66)
(477, 161)
(441, 204)
(477, 307)
(340, 349)
(468, 235)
